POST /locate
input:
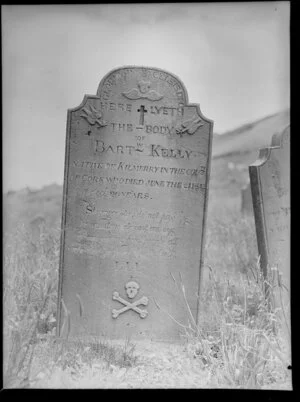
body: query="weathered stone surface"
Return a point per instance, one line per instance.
(135, 196)
(270, 183)
(246, 200)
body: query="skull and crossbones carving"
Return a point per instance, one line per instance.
(132, 289)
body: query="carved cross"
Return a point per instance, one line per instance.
(142, 110)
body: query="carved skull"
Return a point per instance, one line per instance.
(132, 289)
(144, 86)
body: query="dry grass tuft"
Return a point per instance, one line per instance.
(241, 337)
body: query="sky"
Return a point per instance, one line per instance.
(233, 58)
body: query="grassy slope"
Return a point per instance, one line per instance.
(252, 136)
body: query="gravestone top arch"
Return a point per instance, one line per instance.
(148, 80)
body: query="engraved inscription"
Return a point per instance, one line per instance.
(153, 150)
(166, 110)
(158, 150)
(158, 229)
(128, 167)
(195, 186)
(118, 107)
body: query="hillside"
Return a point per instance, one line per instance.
(26, 205)
(250, 137)
(233, 152)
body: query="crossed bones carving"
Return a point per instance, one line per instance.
(130, 306)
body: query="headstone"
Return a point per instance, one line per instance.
(135, 197)
(246, 200)
(36, 226)
(241, 167)
(270, 184)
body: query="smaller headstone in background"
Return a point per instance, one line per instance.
(241, 167)
(36, 227)
(246, 200)
(270, 183)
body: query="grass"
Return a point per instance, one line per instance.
(78, 353)
(30, 304)
(230, 241)
(30, 298)
(75, 357)
(241, 338)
